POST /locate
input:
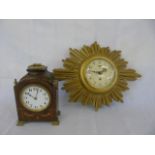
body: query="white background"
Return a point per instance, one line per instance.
(23, 42)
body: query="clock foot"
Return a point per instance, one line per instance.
(55, 123)
(20, 123)
(58, 113)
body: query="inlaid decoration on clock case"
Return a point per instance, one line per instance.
(36, 96)
(95, 75)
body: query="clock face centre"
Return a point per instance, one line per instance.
(98, 74)
(35, 98)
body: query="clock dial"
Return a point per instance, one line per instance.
(35, 98)
(100, 73)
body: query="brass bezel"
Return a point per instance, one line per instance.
(85, 81)
(28, 108)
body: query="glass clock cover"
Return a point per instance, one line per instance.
(35, 98)
(100, 73)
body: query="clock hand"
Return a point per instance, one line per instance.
(36, 95)
(100, 72)
(94, 71)
(31, 95)
(103, 70)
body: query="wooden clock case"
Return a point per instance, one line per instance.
(38, 74)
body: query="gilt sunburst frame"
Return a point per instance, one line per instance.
(75, 85)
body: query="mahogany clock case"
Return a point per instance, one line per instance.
(43, 79)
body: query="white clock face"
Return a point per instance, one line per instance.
(35, 98)
(100, 73)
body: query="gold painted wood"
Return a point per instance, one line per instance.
(73, 76)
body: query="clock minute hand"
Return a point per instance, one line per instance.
(36, 95)
(100, 72)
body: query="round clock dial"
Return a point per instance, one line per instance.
(98, 74)
(35, 98)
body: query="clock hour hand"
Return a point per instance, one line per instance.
(30, 95)
(103, 70)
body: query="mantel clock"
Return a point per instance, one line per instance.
(36, 96)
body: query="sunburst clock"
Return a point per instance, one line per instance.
(95, 75)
